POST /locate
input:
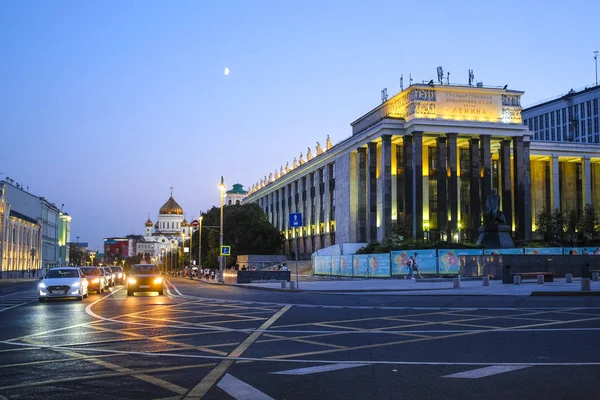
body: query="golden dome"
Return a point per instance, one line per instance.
(149, 223)
(171, 207)
(185, 223)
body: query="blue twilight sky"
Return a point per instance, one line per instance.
(106, 104)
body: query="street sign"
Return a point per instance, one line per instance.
(295, 220)
(195, 223)
(225, 250)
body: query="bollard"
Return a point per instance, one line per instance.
(595, 276)
(456, 282)
(292, 284)
(283, 285)
(486, 281)
(586, 284)
(569, 278)
(540, 279)
(517, 279)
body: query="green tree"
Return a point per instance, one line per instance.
(245, 228)
(572, 223)
(589, 223)
(559, 224)
(75, 254)
(403, 227)
(545, 225)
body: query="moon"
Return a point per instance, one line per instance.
(226, 71)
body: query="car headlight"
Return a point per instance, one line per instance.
(95, 280)
(76, 284)
(42, 285)
(158, 280)
(131, 280)
(120, 275)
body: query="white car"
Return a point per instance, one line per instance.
(63, 282)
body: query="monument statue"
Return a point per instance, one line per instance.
(295, 164)
(281, 171)
(301, 159)
(309, 154)
(492, 209)
(276, 175)
(287, 167)
(271, 177)
(328, 143)
(319, 148)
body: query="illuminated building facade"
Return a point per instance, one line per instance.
(431, 154)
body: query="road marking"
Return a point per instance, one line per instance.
(317, 369)
(209, 380)
(487, 371)
(240, 390)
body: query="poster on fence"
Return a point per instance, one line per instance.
(322, 265)
(581, 251)
(360, 265)
(426, 260)
(514, 250)
(448, 259)
(345, 263)
(551, 251)
(379, 265)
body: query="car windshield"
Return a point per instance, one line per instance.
(90, 271)
(62, 273)
(145, 269)
(116, 269)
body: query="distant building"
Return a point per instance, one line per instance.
(572, 117)
(64, 238)
(29, 227)
(235, 195)
(115, 249)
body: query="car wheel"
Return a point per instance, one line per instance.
(80, 298)
(129, 293)
(42, 299)
(85, 296)
(160, 293)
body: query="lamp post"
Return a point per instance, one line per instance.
(596, 61)
(222, 192)
(199, 241)
(182, 247)
(92, 256)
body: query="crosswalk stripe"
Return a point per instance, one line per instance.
(486, 371)
(240, 390)
(317, 369)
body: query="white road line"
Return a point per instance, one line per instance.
(16, 305)
(240, 390)
(317, 369)
(487, 371)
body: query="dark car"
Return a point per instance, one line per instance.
(144, 278)
(96, 279)
(119, 275)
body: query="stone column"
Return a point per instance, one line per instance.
(442, 185)
(361, 229)
(506, 189)
(486, 163)
(587, 181)
(407, 148)
(372, 193)
(418, 185)
(555, 183)
(474, 199)
(301, 203)
(386, 184)
(326, 194)
(522, 188)
(309, 210)
(453, 183)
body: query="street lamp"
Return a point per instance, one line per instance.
(183, 246)
(199, 241)
(222, 189)
(92, 256)
(596, 61)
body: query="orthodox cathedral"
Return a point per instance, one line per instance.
(168, 232)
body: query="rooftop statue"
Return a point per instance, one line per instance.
(319, 148)
(287, 167)
(328, 143)
(281, 171)
(295, 164)
(301, 159)
(276, 174)
(309, 154)
(271, 177)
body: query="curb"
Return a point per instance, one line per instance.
(571, 293)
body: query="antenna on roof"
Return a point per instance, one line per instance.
(401, 82)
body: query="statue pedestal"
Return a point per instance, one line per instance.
(495, 236)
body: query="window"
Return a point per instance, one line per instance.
(558, 117)
(535, 124)
(552, 119)
(433, 160)
(589, 108)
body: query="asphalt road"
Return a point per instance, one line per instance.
(217, 342)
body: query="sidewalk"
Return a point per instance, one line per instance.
(16, 280)
(434, 287)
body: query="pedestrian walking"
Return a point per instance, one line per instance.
(415, 265)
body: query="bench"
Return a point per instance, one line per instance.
(548, 276)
